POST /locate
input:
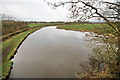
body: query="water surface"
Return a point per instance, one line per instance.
(51, 53)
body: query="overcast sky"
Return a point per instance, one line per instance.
(37, 10)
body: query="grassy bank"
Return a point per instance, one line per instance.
(9, 48)
(45, 24)
(88, 27)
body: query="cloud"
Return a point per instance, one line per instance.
(33, 10)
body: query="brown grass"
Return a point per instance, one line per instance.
(12, 26)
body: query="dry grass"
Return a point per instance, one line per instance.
(12, 26)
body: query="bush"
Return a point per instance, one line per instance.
(9, 26)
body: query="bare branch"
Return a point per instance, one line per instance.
(88, 10)
(112, 3)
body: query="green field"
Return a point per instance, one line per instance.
(44, 24)
(102, 28)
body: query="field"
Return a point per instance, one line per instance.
(89, 27)
(45, 24)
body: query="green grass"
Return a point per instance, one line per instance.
(9, 47)
(6, 68)
(98, 28)
(15, 41)
(83, 26)
(33, 25)
(44, 24)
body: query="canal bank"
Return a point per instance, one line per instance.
(12, 42)
(9, 53)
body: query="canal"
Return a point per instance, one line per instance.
(51, 53)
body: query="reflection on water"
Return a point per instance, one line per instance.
(50, 53)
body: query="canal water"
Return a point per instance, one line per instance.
(51, 53)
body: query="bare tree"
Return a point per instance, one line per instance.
(103, 10)
(86, 9)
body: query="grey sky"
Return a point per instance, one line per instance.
(36, 10)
